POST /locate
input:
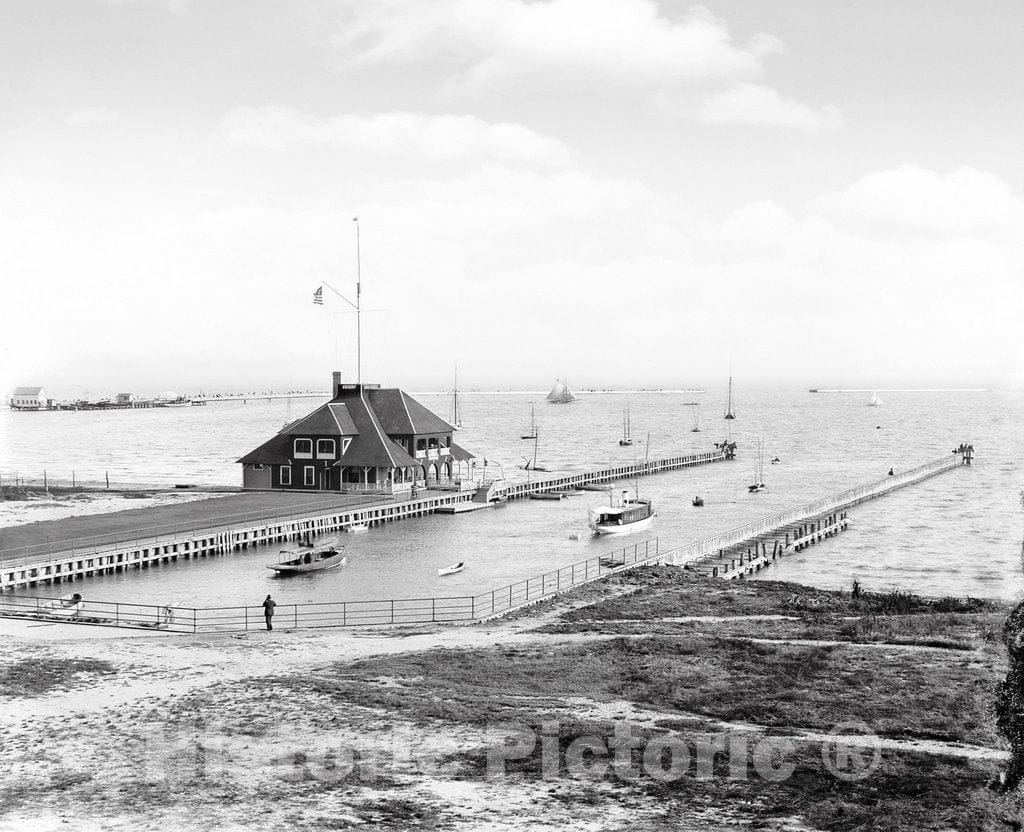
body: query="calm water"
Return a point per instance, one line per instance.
(956, 534)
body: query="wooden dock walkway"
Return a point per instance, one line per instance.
(731, 554)
(67, 560)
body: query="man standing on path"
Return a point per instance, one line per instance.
(268, 611)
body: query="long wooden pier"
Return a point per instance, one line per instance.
(743, 550)
(71, 560)
(801, 526)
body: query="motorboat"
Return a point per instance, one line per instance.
(451, 569)
(325, 554)
(623, 515)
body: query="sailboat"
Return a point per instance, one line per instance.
(456, 415)
(758, 484)
(627, 439)
(531, 464)
(532, 432)
(560, 393)
(874, 401)
(696, 419)
(728, 408)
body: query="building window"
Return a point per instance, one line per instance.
(325, 448)
(257, 467)
(286, 475)
(446, 441)
(308, 477)
(303, 448)
(421, 444)
(433, 442)
(344, 445)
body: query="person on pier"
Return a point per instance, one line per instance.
(268, 611)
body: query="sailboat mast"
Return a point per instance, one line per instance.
(359, 292)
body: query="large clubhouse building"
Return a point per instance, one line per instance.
(366, 438)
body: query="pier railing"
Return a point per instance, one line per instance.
(842, 499)
(447, 609)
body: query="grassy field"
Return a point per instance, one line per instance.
(342, 738)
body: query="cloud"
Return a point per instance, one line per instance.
(747, 103)
(964, 201)
(562, 45)
(441, 138)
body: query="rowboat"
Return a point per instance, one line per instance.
(322, 555)
(450, 570)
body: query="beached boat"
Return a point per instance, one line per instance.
(450, 570)
(560, 393)
(67, 606)
(623, 515)
(325, 554)
(627, 438)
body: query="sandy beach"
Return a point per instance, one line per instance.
(391, 728)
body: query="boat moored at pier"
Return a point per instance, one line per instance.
(624, 515)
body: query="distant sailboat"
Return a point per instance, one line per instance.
(532, 432)
(627, 438)
(456, 414)
(560, 393)
(874, 401)
(728, 407)
(531, 464)
(696, 419)
(758, 484)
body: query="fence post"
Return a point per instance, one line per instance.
(472, 607)
(433, 610)
(246, 617)
(392, 611)
(492, 601)
(295, 610)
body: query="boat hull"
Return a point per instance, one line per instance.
(628, 528)
(315, 566)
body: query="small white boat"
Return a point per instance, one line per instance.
(356, 527)
(624, 515)
(874, 401)
(67, 606)
(450, 570)
(324, 554)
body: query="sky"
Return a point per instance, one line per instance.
(622, 193)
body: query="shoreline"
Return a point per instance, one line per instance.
(668, 655)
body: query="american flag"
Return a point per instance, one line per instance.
(318, 296)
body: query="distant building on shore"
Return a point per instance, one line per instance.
(29, 398)
(366, 438)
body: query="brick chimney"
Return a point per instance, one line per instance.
(335, 382)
